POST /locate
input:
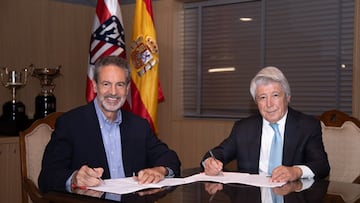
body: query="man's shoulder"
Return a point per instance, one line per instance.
(301, 118)
(251, 120)
(80, 112)
(254, 117)
(131, 117)
(301, 115)
(132, 123)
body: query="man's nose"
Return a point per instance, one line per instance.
(269, 101)
(113, 89)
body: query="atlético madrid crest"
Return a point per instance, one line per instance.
(144, 52)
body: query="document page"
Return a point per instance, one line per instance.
(129, 185)
(234, 177)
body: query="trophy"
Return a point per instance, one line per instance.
(14, 117)
(45, 102)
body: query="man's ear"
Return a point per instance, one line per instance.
(94, 86)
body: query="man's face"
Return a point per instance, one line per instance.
(111, 88)
(272, 101)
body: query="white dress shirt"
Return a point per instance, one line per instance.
(266, 139)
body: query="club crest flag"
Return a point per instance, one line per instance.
(146, 90)
(107, 38)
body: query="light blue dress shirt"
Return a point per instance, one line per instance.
(110, 131)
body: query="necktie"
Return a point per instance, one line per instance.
(276, 149)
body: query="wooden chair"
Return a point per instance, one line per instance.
(341, 137)
(32, 145)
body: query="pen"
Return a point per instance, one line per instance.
(212, 197)
(212, 155)
(101, 180)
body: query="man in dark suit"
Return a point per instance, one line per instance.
(302, 153)
(99, 140)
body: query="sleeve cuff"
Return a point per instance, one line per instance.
(306, 171)
(170, 173)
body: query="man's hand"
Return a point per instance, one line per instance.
(288, 188)
(213, 188)
(286, 174)
(85, 177)
(212, 166)
(151, 175)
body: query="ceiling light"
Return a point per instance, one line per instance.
(246, 19)
(224, 69)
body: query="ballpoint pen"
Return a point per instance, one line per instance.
(212, 155)
(211, 197)
(101, 180)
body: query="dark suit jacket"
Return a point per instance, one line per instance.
(302, 144)
(77, 141)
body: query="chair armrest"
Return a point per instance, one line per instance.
(357, 180)
(32, 191)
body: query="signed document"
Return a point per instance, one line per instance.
(129, 185)
(234, 177)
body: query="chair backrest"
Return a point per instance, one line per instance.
(32, 145)
(341, 137)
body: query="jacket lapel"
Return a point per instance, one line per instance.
(291, 137)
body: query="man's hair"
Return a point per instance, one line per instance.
(267, 75)
(112, 60)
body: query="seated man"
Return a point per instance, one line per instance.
(99, 140)
(280, 141)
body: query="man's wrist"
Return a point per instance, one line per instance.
(69, 184)
(306, 172)
(298, 172)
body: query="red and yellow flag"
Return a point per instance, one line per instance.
(146, 91)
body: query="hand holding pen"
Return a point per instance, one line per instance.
(87, 176)
(213, 166)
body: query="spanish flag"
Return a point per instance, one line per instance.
(146, 91)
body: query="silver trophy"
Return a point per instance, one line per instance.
(45, 102)
(14, 115)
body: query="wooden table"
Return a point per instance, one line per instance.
(320, 191)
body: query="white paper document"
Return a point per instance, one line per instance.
(233, 177)
(129, 185)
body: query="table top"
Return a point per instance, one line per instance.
(320, 191)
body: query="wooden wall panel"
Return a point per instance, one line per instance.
(46, 33)
(10, 171)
